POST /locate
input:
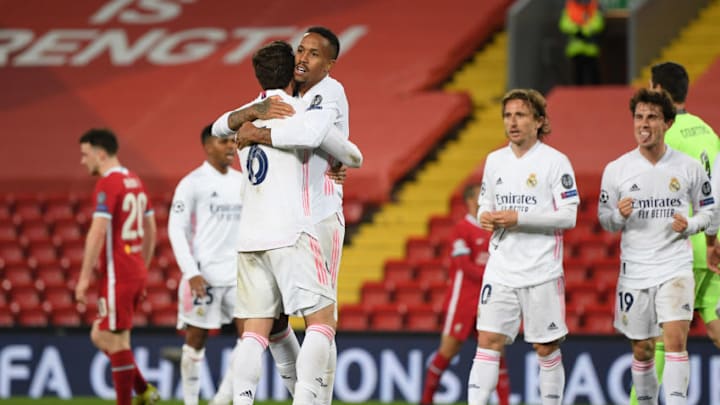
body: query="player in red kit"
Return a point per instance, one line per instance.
(121, 241)
(469, 255)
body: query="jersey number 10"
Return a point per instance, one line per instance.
(135, 206)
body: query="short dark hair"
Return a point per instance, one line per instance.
(469, 190)
(330, 36)
(101, 138)
(274, 64)
(673, 78)
(659, 98)
(206, 133)
(537, 104)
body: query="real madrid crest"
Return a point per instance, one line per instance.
(674, 185)
(200, 311)
(531, 180)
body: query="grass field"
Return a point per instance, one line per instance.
(95, 401)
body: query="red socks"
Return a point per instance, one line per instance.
(432, 378)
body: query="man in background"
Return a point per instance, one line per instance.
(204, 232)
(121, 239)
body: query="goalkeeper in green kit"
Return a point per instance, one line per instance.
(691, 135)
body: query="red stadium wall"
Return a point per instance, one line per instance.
(157, 71)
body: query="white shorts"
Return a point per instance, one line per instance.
(331, 235)
(291, 280)
(639, 313)
(211, 312)
(542, 308)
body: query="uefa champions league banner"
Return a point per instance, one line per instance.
(388, 367)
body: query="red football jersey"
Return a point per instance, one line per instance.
(120, 196)
(469, 249)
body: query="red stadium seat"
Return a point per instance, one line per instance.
(581, 297)
(28, 211)
(17, 277)
(35, 318)
(422, 318)
(353, 318)
(576, 272)
(605, 279)
(66, 231)
(72, 254)
(50, 277)
(431, 271)
(140, 319)
(85, 211)
(409, 293)
(440, 229)
(58, 212)
(387, 317)
(436, 293)
(24, 298)
(573, 321)
(155, 279)
(582, 231)
(375, 293)
(164, 318)
(160, 299)
(161, 214)
(458, 208)
(600, 323)
(59, 299)
(42, 254)
(352, 211)
(8, 234)
(592, 251)
(35, 232)
(398, 270)
(7, 319)
(5, 215)
(11, 255)
(66, 318)
(417, 249)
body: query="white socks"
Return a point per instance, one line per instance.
(645, 381)
(326, 389)
(312, 363)
(224, 394)
(190, 361)
(483, 376)
(247, 368)
(284, 347)
(676, 378)
(552, 378)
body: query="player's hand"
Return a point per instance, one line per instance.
(197, 286)
(244, 135)
(486, 221)
(625, 206)
(505, 219)
(273, 107)
(337, 174)
(680, 223)
(81, 291)
(713, 257)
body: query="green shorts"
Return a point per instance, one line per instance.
(707, 293)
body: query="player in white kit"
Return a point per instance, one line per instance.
(281, 268)
(315, 57)
(204, 229)
(528, 197)
(645, 194)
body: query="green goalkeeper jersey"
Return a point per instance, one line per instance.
(692, 136)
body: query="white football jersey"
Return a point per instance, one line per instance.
(204, 224)
(276, 199)
(715, 182)
(540, 181)
(327, 94)
(651, 252)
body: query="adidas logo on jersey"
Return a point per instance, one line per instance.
(499, 181)
(552, 326)
(247, 393)
(214, 194)
(634, 188)
(687, 307)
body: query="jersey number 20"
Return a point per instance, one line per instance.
(135, 206)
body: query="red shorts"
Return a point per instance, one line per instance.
(116, 304)
(460, 308)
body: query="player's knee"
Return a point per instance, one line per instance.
(643, 350)
(545, 349)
